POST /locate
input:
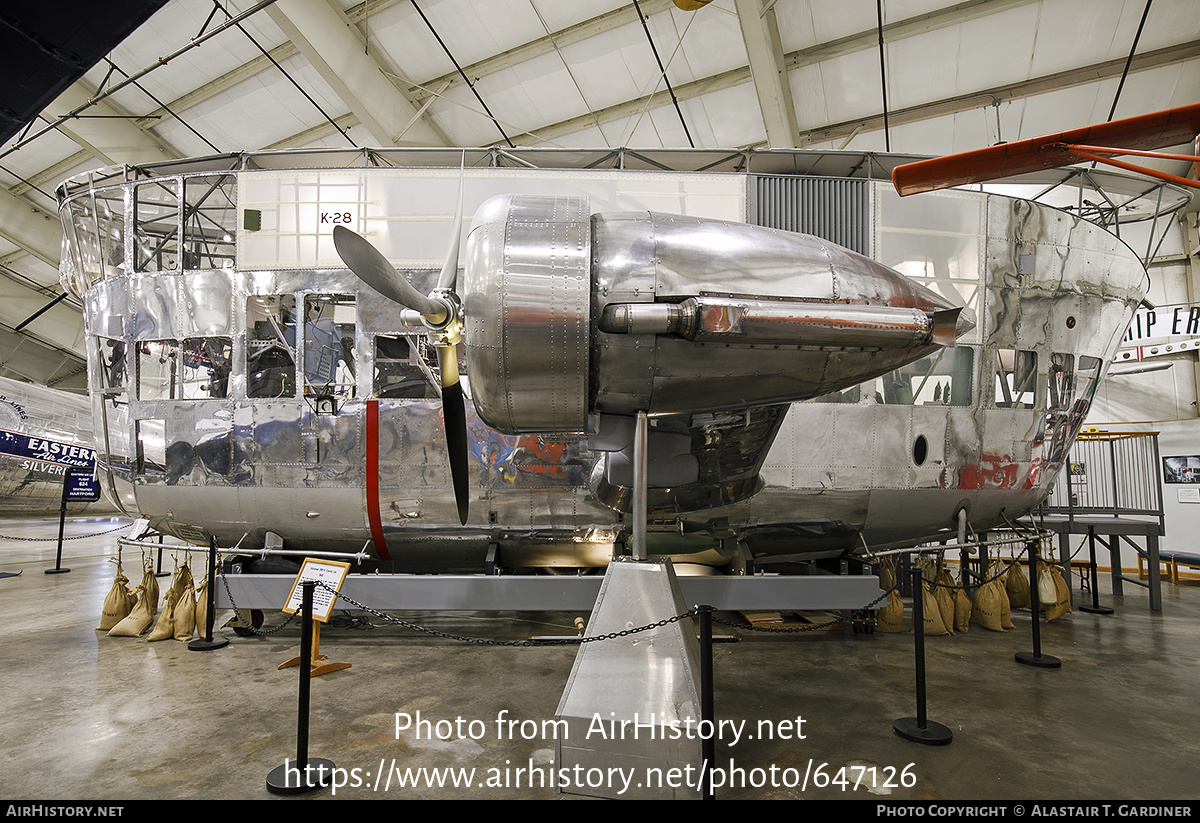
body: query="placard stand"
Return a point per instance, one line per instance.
(331, 574)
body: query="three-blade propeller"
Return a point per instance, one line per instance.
(441, 314)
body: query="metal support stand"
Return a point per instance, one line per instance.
(648, 682)
(1037, 659)
(304, 774)
(919, 729)
(209, 643)
(62, 522)
(1095, 607)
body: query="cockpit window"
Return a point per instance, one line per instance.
(270, 346)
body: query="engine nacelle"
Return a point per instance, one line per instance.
(568, 313)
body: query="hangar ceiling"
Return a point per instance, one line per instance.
(202, 77)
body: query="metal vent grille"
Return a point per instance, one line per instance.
(832, 209)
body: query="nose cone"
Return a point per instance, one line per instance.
(951, 324)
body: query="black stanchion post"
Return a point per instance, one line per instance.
(708, 747)
(1042, 661)
(62, 522)
(920, 729)
(304, 775)
(208, 642)
(160, 572)
(1095, 608)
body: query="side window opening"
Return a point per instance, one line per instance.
(1015, 379)
(270, 346)
(330, 362)
(944, 378)
(400, 369)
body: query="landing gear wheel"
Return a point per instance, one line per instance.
(245, 619)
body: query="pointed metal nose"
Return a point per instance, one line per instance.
(951, 324)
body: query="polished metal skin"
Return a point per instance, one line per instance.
(672, 335)
(215, 416)
(43, 433)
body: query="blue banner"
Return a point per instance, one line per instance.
(47, 451)
(53, 457)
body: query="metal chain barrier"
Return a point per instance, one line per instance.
(55, 539)
(245, 625)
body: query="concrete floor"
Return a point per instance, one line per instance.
(90, 717)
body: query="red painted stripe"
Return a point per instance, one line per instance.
(373, 518)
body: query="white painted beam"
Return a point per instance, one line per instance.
(760, 32)
(334, 46)
(30, 228)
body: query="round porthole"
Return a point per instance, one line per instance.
(920, 449)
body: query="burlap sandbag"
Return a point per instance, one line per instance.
(1005, 611)
(1045, 584)
(150, 582)
(185, 612)
(138, 619)
(1016, 583)
(202, 608)
(164, 629)
(933, 615)
(117, 604)
(962, 610)
(944, 593)
(1062, 596)
(889, 618)
(887, 573)
(985, 607)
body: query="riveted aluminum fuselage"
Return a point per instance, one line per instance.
(869, 463)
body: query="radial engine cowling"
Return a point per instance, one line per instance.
(569, 313)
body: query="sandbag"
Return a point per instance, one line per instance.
(202, 608)
(1045, 584)
(933, 624)
(150, 582)
(1016, 583)
(185, 605)
(962, 609)
(1005, 611)
(887, 573)
(944, 595)
(1061, 604)
(117, 603)
(985, 607)
(164, 629)
(138, 619)
(891, 616)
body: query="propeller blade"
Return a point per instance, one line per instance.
(373, 269)
(454, 415)
(449, 274)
